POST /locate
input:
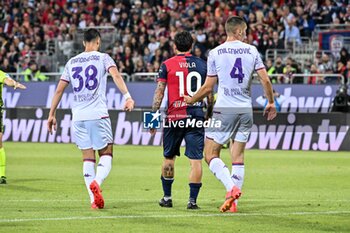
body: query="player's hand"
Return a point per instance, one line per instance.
(19, 85)
(271, 112)
(129, 105)
(153, 131)
(51, 123)
(188, 99)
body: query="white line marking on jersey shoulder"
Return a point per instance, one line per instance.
(169, 216)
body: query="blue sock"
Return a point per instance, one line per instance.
(167, 183)
(194, 190)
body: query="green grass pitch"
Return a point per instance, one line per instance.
(284, 191)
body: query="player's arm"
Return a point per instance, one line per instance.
(210, 102)
(158, 95)
(270, 108)
(12, 83)
(204, 91)
(51, 122)
(119, 81)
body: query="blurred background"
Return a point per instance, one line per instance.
(304, 44)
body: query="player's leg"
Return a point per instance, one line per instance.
(237, 172)
(216, 137)
(2, 160)
(83, 142)
(238, 143)
(89, 170)
(100, 134)
(172, 138)
(194, 138)
(167, 178)
(105, 163)
(195, 184)
(216, 165)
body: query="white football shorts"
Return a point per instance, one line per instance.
(233, 126)
(95, 134)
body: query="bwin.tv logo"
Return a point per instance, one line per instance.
(151, 120)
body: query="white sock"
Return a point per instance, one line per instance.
(237, 175)
(219, 169)
(89, 175)
(103, 168)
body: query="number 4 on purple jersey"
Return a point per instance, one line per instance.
(237, 71)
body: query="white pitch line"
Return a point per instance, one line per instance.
(170, 216)
(143, 200)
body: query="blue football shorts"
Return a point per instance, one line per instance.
(194, 138)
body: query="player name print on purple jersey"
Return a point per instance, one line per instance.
(234, 77)
(87, 73)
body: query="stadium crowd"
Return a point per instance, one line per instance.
(146, 29)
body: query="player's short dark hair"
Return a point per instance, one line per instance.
(91, 34)
(183, 41)
(233, 23)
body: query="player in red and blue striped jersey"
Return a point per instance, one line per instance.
(183, 74)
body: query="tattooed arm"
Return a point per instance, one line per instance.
(157, 100)
(158, 96)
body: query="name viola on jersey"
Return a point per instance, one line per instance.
(187, 65)
(85, 59)
(234, 51)
(212, 123)
(235, 91)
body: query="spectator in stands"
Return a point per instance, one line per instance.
(344, 56)
(153, 45)
(32, 73)
(26, 26)
(347, 73)
(341, 69)
(292, 33)
(279, 67)
(276, 42)
(264, 44)
(140, 67)
(147, 56)
(7, 67)
(314, 79)
(326, 64)
(288, 72)
(327, 11)
(13, 55)
(157, 57)
(271, 70)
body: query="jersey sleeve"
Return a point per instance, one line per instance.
(108, 62)
(163, 73)
(211, 68)
(65, 75)
(3, 75)
(258, 61)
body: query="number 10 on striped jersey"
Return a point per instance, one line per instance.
(189, 77)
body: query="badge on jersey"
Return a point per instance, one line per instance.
(151, 120)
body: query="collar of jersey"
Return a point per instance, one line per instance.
(184, 54)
